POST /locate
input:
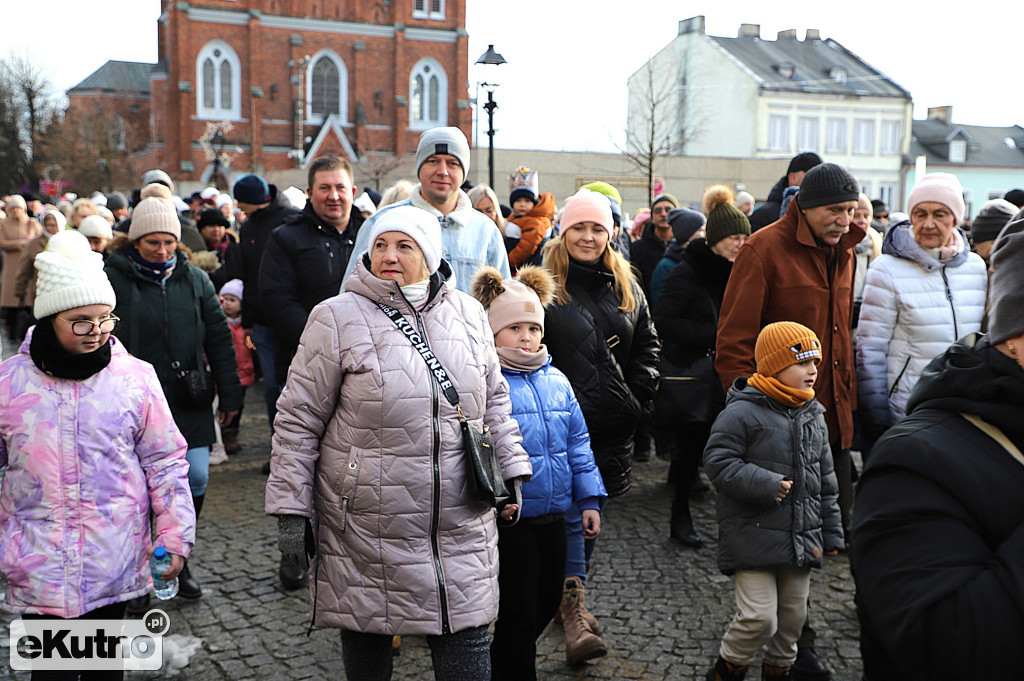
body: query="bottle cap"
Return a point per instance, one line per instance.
(159, 553)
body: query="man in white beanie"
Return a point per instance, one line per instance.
(470, 240)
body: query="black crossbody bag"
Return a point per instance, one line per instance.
(487, 482)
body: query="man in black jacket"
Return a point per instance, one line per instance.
(305, 258)
(266, 209)
(771, 210)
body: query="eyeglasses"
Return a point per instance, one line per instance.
(84, 327)
(882, 216)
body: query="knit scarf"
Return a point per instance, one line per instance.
(52, 359)
(783, 394)
(158, 271)
(521, 360)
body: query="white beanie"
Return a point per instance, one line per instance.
(70, 275)
(418, 224)
(235, 287)
(296, 197)
(95, 226)
(365, 204)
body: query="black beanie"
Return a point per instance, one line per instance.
(1016, 197)
(1006, 289)
(992, 217)
(804, 162)
(826, 184)
(684, 223)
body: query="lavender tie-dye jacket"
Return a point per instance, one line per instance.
(86, 461)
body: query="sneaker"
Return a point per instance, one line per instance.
(217, 454)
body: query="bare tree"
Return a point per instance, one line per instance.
(34, 94)
(378, 167)
(657, 123)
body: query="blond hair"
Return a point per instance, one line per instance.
(482, 191)
(556, 260)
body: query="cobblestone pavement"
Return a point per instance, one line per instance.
(663, 607)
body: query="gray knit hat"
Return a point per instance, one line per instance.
(992, 217)
(154, 215)
(157, 175)
(826, 184)
(1006, 289)
(447, 140)
(70, 275)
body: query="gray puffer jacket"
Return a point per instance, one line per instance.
(755, 443)
(366, 445)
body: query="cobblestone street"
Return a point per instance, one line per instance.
(663, 608)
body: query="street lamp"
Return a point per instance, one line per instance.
(217, 143)
(493, 58)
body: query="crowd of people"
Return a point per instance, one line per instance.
(395, 333)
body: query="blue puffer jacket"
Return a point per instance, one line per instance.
(556, 438)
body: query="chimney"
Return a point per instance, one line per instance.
(788, 34)
(749, 31)
(941, 113)
(812, 34)
(691, 25)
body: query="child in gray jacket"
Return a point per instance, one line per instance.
(778, 511)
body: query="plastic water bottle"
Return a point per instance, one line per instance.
(158, 565)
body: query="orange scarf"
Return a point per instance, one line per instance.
(783, 394)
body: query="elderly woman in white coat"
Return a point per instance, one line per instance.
(368, 468)
(925, 292)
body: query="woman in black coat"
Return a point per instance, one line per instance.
(599, 334)
(686, 316)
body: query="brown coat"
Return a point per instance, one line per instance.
(13, 235)
(25, 280)
(779, 275)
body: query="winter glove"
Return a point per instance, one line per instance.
(291, 539)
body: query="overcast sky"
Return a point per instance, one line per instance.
(564, 86)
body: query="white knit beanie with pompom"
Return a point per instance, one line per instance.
(70, 275)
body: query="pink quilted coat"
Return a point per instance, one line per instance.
(367, 446)
(86, 462)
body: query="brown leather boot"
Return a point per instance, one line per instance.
(770, 672)
(726, 671)
(591, 621)
(231, 443)
(581, 643)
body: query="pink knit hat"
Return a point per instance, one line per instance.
(514, 301)
(638, 222)
(587, 206)
(941, 188)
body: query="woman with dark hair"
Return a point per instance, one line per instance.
(600, 335)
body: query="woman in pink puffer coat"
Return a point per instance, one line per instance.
(369, 450)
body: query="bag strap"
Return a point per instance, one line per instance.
(419, 343)
(175, 364)
(598, 315)
(996, 434)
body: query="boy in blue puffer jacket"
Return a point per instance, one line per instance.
(532, 552)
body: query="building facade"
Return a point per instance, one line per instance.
(258, 85)
(750, 97)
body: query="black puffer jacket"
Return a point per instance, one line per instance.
(612, 384)
(303, 264)
(938, 527)
(645, 253)
(244, 262)
(770, 210)
(196, 329)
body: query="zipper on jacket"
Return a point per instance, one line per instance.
(435, 504)
(312, 617)
(896, 383)
(952, 308)
(330, 258)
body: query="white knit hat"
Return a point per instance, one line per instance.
(95, 226)
(418, 224)
(70, 275)
(941, 188)
(154, 215)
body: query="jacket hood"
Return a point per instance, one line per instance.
(674, 252)
(899, 241)
(740, 391)
(366, 284)
(974, 377)
(778, 189)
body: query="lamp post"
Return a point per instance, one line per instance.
(217, 144)
(495, 59)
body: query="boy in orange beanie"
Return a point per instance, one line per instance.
(778, 509)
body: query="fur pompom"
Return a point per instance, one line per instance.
(714, 197)
(540, 280)
(487, 286)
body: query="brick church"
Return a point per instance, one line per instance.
(276, 83)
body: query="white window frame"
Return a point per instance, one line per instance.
(428, 68)
(339, 63)
(891, 142)
(227, 55)
(863, 137)
(778, 132)
(808, 134)
(887, 193)
(428, 9)
(835, 136)
(958, 150)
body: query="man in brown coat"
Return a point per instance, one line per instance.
(800, 269)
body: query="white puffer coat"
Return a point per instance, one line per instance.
(915, 306)
(367, 446)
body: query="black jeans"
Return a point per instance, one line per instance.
(532, 560)
(458, 656)
(114, 611)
